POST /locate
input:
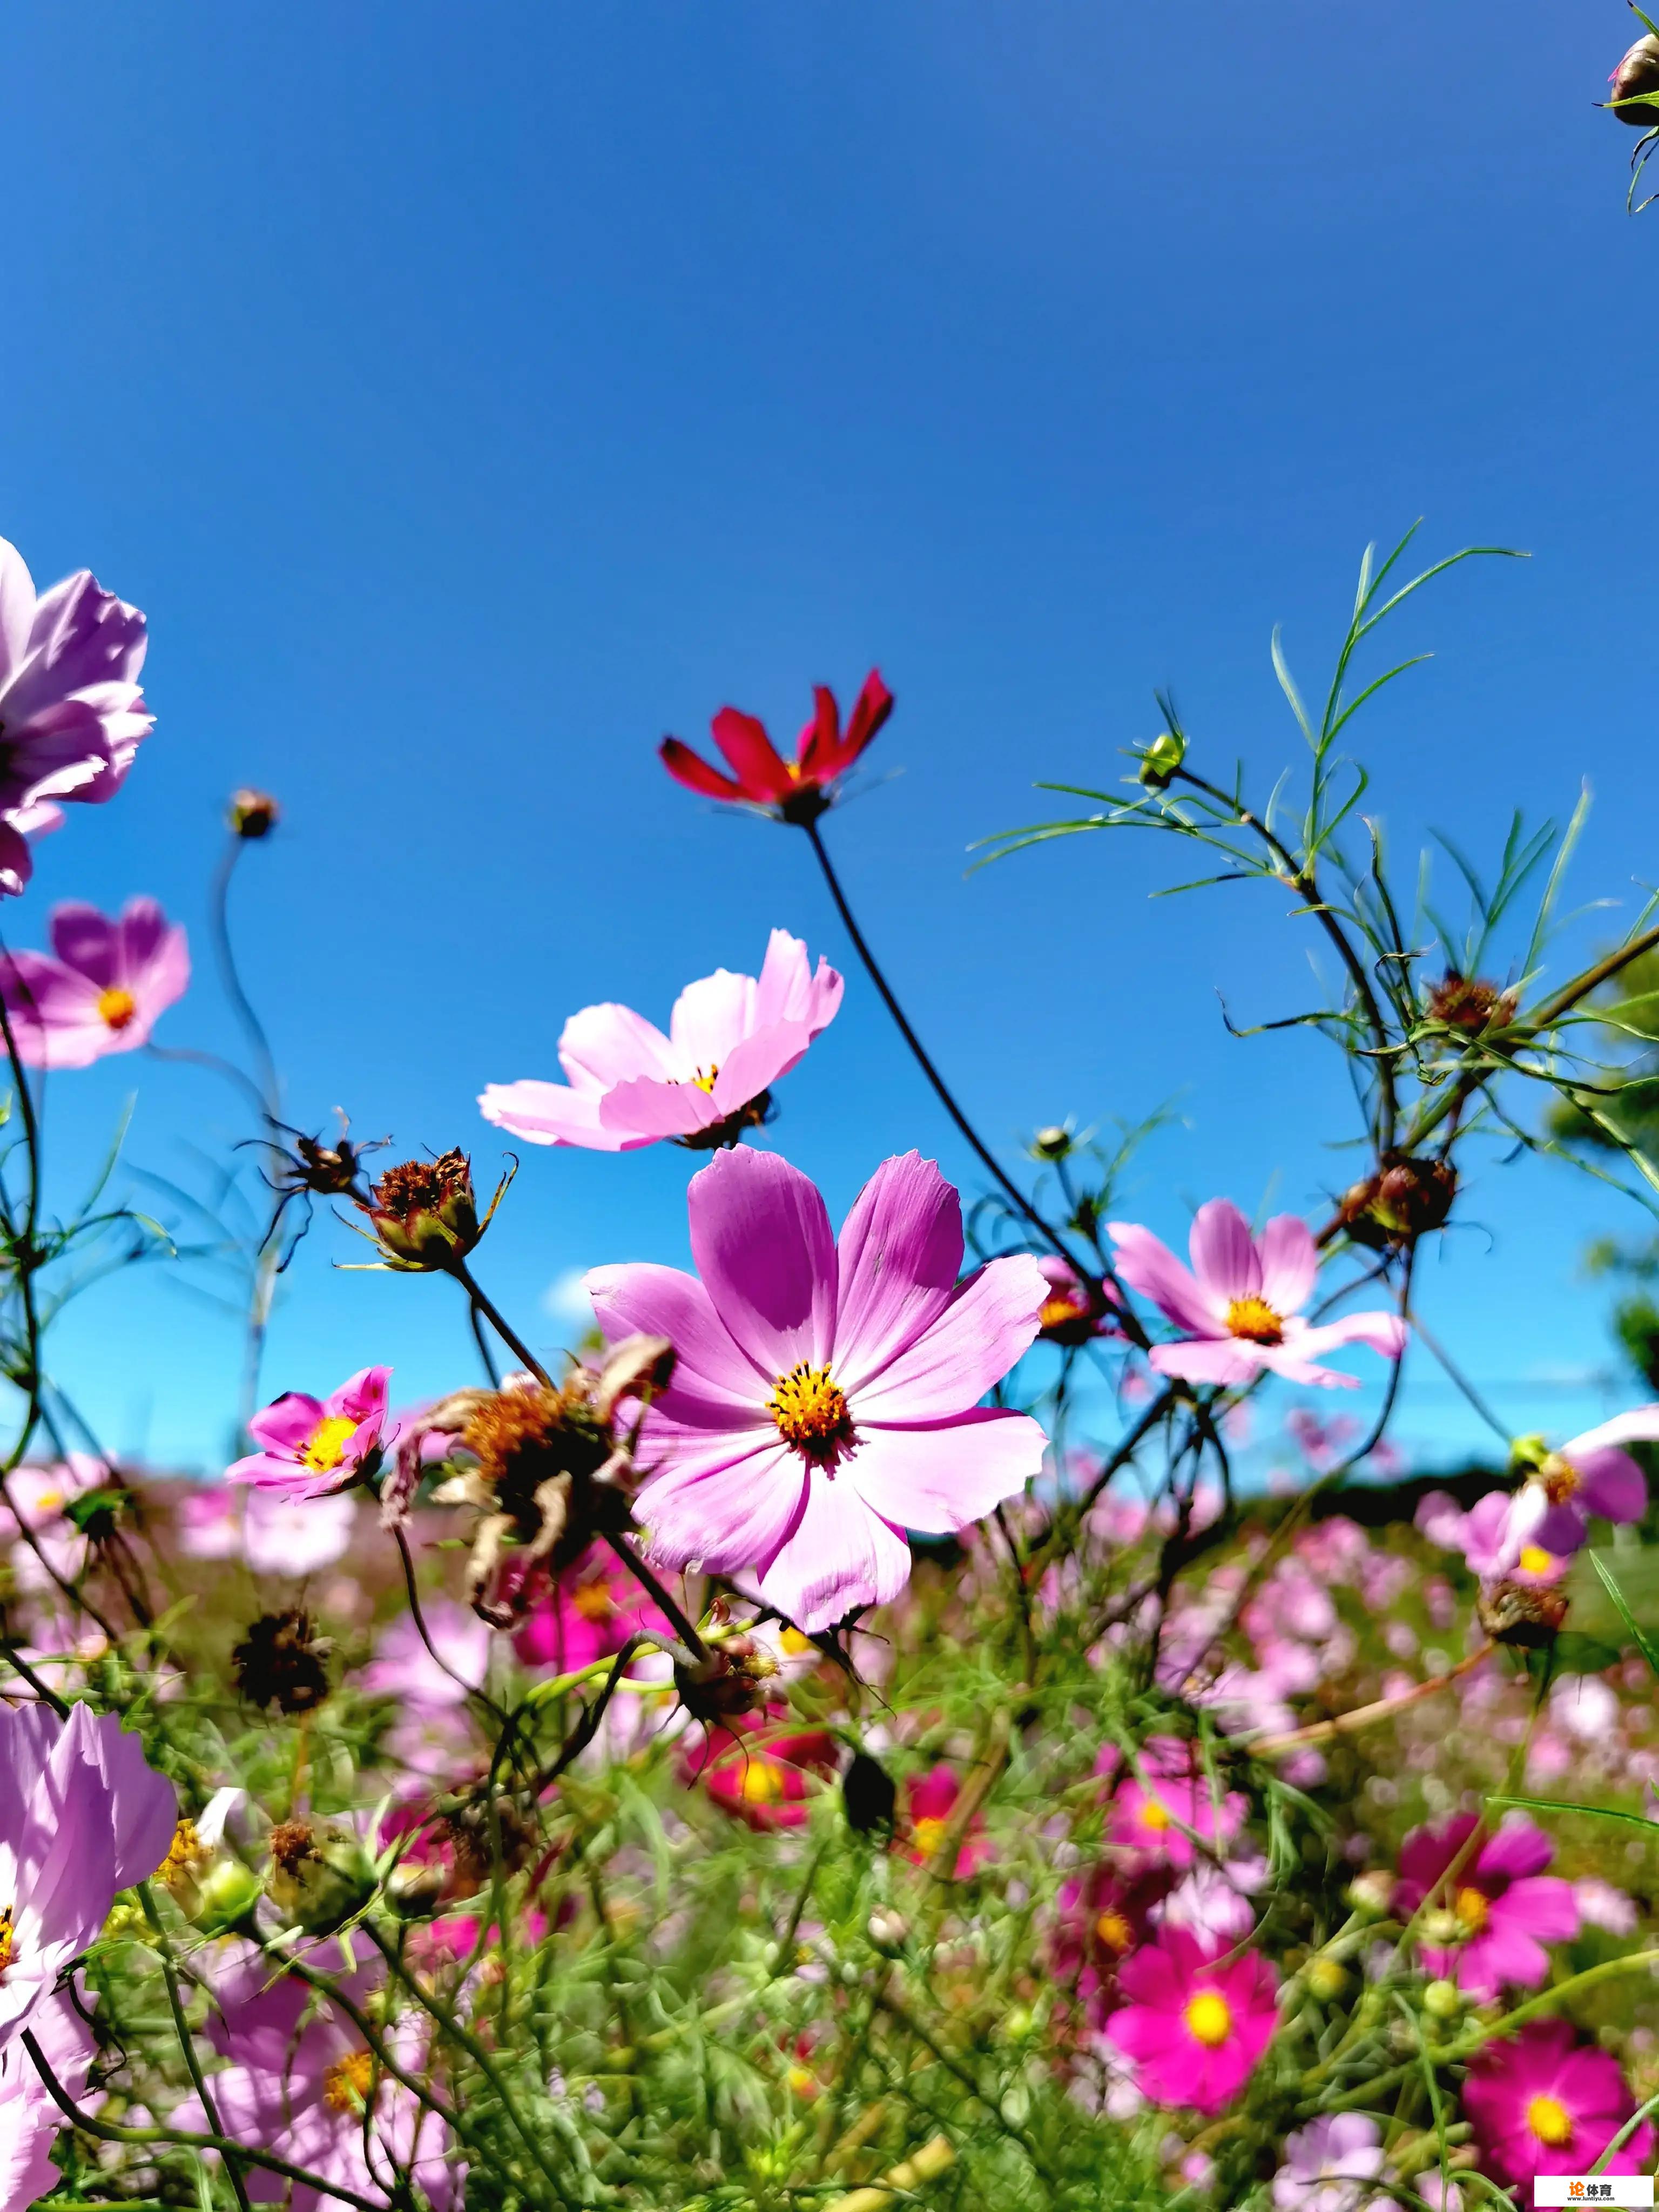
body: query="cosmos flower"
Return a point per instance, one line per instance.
(208, 1521)
(104, 989)
(1198, 2019)
(1549, 1517)
(729, 1038)
(1329, 2166)
(1239, 1309)
(1501, 1908)
(311, 1447)
(1154, 1817)
(929, 1801)
(82, 1815)
(1544, 2103)
(763, 1776)
(70, 707)
(402, 1667)
(796, 791)
(300, 2082)
(1100, 1918)
(1077, 1310)
(285, 1534)
(825, 1398)
(29, 2116)
(588, 1613)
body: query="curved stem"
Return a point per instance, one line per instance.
(1363, 1715)
(665, 1604)
(230, 977)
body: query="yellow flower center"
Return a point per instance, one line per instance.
(1154, 1813)
(1209, 2019)
(1560, 1478)
(1473, 1906)
(810, 1412)
(346, 2084)
(1550, 2121)
(704, 1078)
(326, 1447)
(184, 1854)
(1255, 1320)
(1113, 1931)
(1535, 1560)
(5, 1938)
(762, 1782)
(116, 1007)
(48, 1501)
(793, 1642)
(1059, 1307)
(592, 1600)
(929, 1835)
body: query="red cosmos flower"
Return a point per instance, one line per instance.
(796, 791)
(929, 1801)
(765, 1779)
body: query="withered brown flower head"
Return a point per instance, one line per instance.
(1403, 1201)
(1465, 1002)
(283, 1661)
(253, 814)
(424, 1213)
(292, 1842)
(1527, 1613)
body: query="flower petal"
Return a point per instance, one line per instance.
(1290, 1263)
(985, 1326)
(709, 1018)
(731, 1510)
(608, 1043)
(1611, 1483)
(761, 1238)
(1219, 1360)
(553, 1114)
(838, 1555)
(939, 1477)
(1146, 1264)
(900, 1251)
(714, 1384)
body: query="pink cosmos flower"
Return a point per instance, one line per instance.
(1100, 1920)
(1329, 2166)
(208, 1521)
(29, 2116)
(587, 1613)
(70, 707)
(403, 1668)
(1549, 1517)
(1197, 2021)
(300, 2082)
(1501, 1908)
(1153, 1819)
(104, 992)
(826, 1397)
(82, 1815)
(1077, 1308)
(763, 1776)
(1544, 2103)
(929, 1801)
(730, 1039)
(1240, 1307)
(284, 1534)
(312, 1447)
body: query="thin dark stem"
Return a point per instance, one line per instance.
(482, 1343)
(497, 1713)
(187, 2042)
(252, 1028)
(462, 1274)
(665, 1604)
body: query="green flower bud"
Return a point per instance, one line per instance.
(1442, 2000)
(224, 1897)
(1161, 759)
(1327, 1977)
(319, 1874)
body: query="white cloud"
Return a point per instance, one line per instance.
(566, 1300)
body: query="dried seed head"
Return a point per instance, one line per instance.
(253, 814)
(283, 1661)
(1530, 1614)
(320, 1874)
(1403, 1201)
(424, 1212)
(1466, 1003)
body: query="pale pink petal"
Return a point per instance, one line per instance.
(936, 1479)
(731, 1510)
(1147, 1265)
(900, 1252)
(758, 1063)
(551, 1114)
(1640, 1426)
(710, 1369)
(1289, 1360)
(644, 1107)
(1290, 1263)
(761, 1239)
(1222, 1359)
(606, 1044)
(1611, 1482)
(988, 1322)
(1383, 1332)
(788, 990)
(1225, 1263)
(710, 1016)
(17, 609)
(838, 1555)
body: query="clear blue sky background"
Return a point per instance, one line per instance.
(470, 396)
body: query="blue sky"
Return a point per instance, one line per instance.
(472, 396)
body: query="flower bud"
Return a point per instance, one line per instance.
(1403, 1201)
(225, 1895)
(1370, 1893)
(1442, 2000)
(253, 814)
(1637, 74)
(414, 1888)
(1327, 1977)
(1161, 759)
(869, 1795)
(1466, 1003)
(1528, 1614)
(319, 1874)
(424, 1212)
(887, 1929)
(727, 1681)
(283, 1661)
(1055, 1142)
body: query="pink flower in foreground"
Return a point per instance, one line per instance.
(826, 1396)
(1544, 2103)
(729, 1038)
(311, 2092)
(1499, 1912)
(104, 989)
(70, 707)
(29, 2116)
(929, 1801)
(311, 1446)
(1154, 1817)
(1197, 2021)
(82, 1815)
(1549, 1515)
(1240, 1307)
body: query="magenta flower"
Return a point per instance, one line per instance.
(1544, 2103)
(82, 1815)
(312, 2093)
(311, 1447)
(1155, 1819)
(29, 2116)
(71, 708)
(1198, 2018)
(587, 1613)
(1501, 1908)
(827, 1396)
(763, 1776)
(929, 1801)
(1240, 1307)
(104, 992)
(730, 1039)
